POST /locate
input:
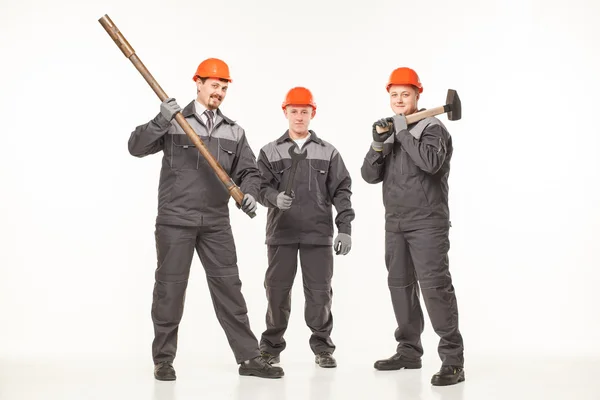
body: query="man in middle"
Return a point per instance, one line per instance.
(302, 223)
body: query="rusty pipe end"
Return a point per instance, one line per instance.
(116, 35)
(105, 20)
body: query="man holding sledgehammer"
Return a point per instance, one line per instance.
(413, 162)
(193, 214)
(302, 177)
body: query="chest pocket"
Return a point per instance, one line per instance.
(317, 181)
(184, 154)
(226, 153)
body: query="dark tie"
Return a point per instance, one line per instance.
(209, 119)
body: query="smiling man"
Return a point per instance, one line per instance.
(413, 162)
(302, 224)
(193, 214)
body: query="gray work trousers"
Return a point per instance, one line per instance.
(420, 257)
(216, 248)
(317, 271)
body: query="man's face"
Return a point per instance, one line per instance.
(299, 118)
(211, 93)
(403, 99)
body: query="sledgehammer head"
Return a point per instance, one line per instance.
(453, 107)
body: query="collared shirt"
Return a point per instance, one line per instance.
(200, 112)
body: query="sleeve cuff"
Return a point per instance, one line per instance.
(374, 157)
(377, 146)
(162, 121)
(345, 228)
(272, 197)
(252, 193)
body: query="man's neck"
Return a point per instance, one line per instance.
(204, 106)
(297, 136)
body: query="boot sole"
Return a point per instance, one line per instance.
(326, 365)
(259, 375)
(398, 367)
(334, 365)
(165, 379)
(447, 383)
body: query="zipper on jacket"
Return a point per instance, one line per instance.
(401, 157)
(214, 128)
(309, 174)
(210, 132)
(171, 158)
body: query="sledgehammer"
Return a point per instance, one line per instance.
(123, 44)
(452, 107)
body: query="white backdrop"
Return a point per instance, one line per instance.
(77, 211)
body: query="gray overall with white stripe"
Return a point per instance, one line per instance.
(193, 214)
(414, 168)
(321, 181)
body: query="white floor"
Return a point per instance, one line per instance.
(486, 379)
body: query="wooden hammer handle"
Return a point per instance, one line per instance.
(128, 51)
(412, 118)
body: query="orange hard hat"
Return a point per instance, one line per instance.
(404, 76)
(299, 96)
(212, 68)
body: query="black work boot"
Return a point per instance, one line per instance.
(325, 360)
(258, 366)
(448, 375)
(397, 361)
(164, 371)
(270, 358)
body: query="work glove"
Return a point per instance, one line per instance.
(342, 244)
(284, 202)
(384, 123)
(248, 204)
(169, 108)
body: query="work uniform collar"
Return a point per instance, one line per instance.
(312, 137)
(190, 110)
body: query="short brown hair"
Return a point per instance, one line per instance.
(203, 80)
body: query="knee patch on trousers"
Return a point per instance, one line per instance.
(222, 272)
(167, 277)
(433, 283)
(318, 287)
(317, 298)
(401, 283)
(168, 299)
(318, 294)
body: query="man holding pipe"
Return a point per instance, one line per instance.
(301, 223)
(193, 214)
(413, 162)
